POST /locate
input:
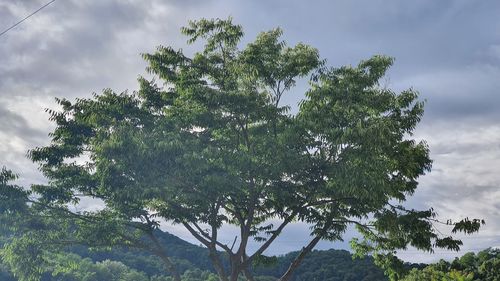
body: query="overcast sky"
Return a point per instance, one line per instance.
(447, 50)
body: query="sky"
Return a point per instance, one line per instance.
(447, 50)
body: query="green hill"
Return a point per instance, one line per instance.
(122, 264)
(327, 265)
(330, 265)
(318, 265)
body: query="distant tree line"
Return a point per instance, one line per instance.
(120, 263)
(81, 264)
(483, 266)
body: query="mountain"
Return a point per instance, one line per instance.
(185, 255)
(327, 265)
(121, 264)
(330, 265)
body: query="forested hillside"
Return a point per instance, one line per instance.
(121, 264)
(125, 264)
(327, 265)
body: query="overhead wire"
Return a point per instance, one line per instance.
(27, 17)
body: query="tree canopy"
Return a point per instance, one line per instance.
(484, 266)
(209, 142)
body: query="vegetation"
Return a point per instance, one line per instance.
(331, 265)
(80, 263)
(71, 267)
(483, 266)
(123, 264)
(213, 144)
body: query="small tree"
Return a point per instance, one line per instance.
(214, 145)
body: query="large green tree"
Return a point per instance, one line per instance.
(209, 142)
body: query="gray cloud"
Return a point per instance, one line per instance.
(466, 94)
(14, 124)
(16, 135)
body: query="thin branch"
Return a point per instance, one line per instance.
(196, 234)
(234, 242)
(296, 262)
(271, 239)
(160, 252)
(207, 236)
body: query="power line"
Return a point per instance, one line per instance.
(27, 17)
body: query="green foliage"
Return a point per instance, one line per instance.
(5, 273)
(73, 268)
(118, 265)
(483, 266)
(432, 274)
(331, 265)
(32, 255)
(12, 201)
(185, 255)
(198, 275)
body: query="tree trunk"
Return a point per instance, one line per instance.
(160, 252)
(288, 274)
(170, 267)
(217, 264)
(235, 268)
(248, 275)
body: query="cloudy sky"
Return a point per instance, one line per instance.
(447, 50)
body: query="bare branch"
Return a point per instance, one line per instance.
(271, 239)
(196, 234)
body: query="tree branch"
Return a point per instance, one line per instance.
(160, 252)
(288, 274)
(196, 234)
(271, 239)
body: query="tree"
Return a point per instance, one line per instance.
(483, 266)
(213, 144)
(71, 267)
